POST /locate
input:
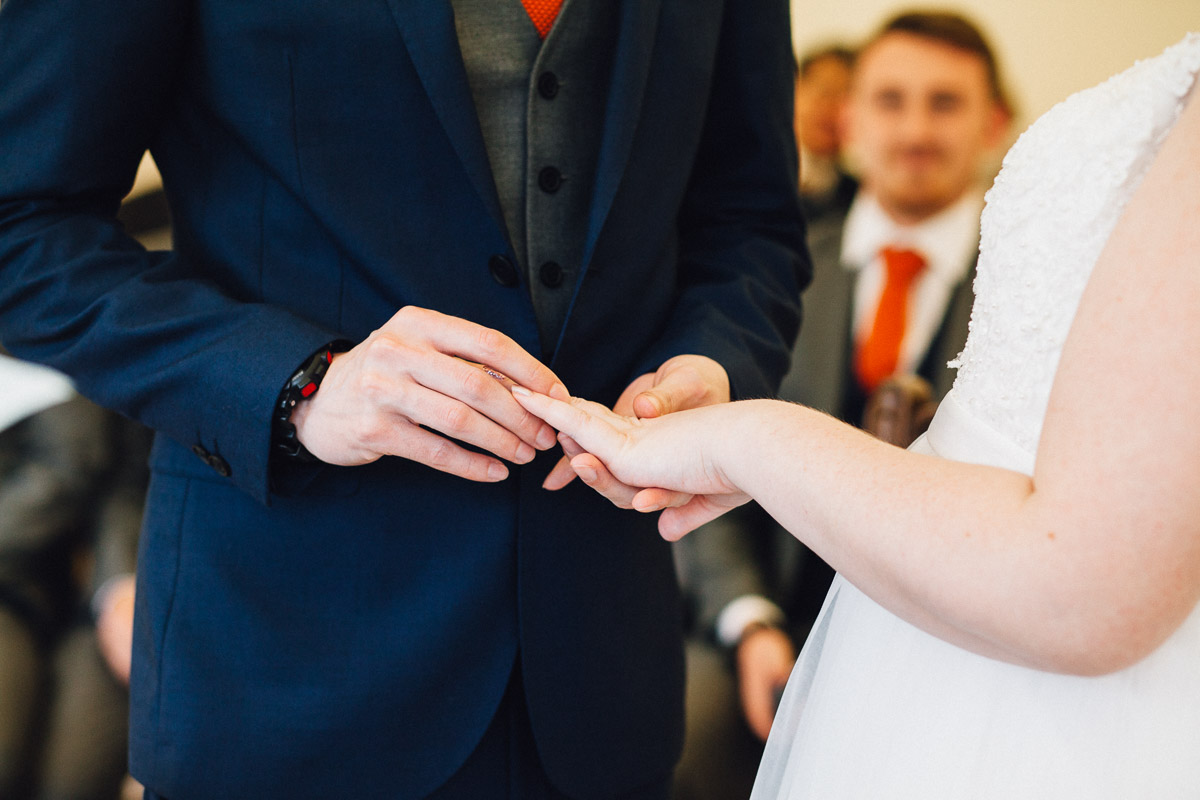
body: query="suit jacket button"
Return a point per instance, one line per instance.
(503, 270)
(220, 466)
(551, 274)
(547, 85)
(550, 179)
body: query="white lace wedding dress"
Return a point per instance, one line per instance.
(879, 709)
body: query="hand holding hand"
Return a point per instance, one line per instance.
(671, 452)
(682, 382)
(410, 389)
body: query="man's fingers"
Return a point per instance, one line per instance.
(640, 384)
(432, 450)
(683, 382)
(562, 474)
(677, 391)
(459, 420)
(473, 342)
(487, 392)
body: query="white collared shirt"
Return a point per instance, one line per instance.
(949, 241)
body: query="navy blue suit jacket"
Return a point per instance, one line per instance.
(324, 168)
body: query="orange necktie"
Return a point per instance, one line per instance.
(878, 355)
(542, 12)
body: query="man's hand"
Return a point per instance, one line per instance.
(765, 658)
(410, 389)
(682, 382)
(114, 627)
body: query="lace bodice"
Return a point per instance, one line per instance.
(1048, 216)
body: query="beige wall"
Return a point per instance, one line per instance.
(1048, 48)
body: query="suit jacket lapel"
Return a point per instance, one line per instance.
(637, 28)
(428, 30)
(952, 333)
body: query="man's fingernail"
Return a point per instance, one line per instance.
(559, 392)
(497, 471)
(586, 474)
(653, 402)
(546, 438)
(525, 453)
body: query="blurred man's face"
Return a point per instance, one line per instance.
(920, 118)
(820, 96)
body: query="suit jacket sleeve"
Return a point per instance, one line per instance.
(83, 87)
(743, 261)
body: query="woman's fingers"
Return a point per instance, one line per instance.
(655, 499)
(593, 472)
(590, 424)
(675, 523)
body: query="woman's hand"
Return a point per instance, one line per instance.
(674, 459)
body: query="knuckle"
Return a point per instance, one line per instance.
(371, 433)
(440, 453)
(475, 384)
(373, 387)
(456, 417)
(407, 313)
(385, 350)
(490, 341)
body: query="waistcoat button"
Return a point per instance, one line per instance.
(550, 179)
(503, 270)
(547, 85)
(551, 274)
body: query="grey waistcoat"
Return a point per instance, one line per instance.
(541, 111)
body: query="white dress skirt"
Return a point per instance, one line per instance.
(877, 708)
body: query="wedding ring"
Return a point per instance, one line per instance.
(500, 376)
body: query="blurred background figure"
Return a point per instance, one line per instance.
(887, 309)
(72, 483)
(822, 86)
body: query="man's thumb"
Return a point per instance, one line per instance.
(652, 403)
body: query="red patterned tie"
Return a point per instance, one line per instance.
(542, 12)
(878, 355)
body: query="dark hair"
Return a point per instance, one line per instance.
(840, 52)
(955, 30)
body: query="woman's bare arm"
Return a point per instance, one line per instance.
(1086, 567)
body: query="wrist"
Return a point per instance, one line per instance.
(745, 439)
(291, 404)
